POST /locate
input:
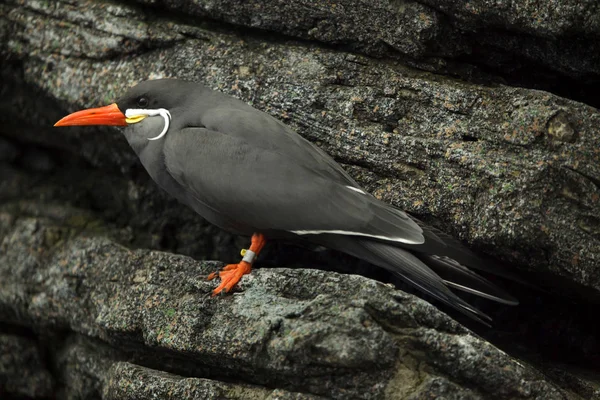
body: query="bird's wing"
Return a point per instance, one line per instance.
(411, 269)
(268, 191)
(259, 129)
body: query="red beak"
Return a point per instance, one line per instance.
(107, 115)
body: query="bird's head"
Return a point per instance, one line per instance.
(153, 99)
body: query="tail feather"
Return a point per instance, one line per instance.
(412, 269)
(441, 244)
(457, 276)
(408, 267)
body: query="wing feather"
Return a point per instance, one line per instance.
(406, 265)
(269, 192)
(266, 132)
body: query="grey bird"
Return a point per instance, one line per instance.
(250, 174)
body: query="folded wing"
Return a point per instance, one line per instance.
(267, 191)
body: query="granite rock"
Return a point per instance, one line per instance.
(142, 323)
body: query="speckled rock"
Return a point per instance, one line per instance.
(437, 32)
(551, 45)
(91, 369)
(552, 32)
(409, 27)
(129, 382)
(307, 332)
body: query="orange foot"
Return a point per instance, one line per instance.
(230, 276)
(232, 273)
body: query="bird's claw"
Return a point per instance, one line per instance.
(212, 275)
(230, 276)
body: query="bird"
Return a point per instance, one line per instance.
(250, 174)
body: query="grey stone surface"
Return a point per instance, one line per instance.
(91, 369)
(374, 27)
(546, 19)
(556, 34)
(127, 381)
(306, 331)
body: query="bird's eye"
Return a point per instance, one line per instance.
(142, 102)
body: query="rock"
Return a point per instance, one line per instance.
(127, 381)
(423, 29)
(8, 151)
(553, 43)
(22, 371)
(560, 129)
(409, 28)
(306, 331)
(534, 32)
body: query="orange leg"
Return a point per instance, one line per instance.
(232, 273)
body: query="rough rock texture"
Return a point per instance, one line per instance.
(512, 171)
(295, 330)
(549, 44)
(429, 28)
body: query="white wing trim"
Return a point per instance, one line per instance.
(339, 232)
(356, 189)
